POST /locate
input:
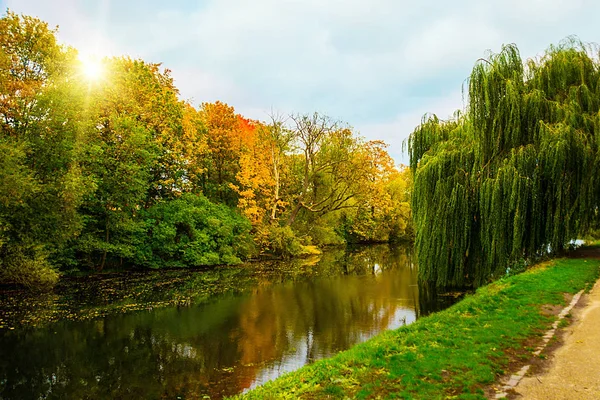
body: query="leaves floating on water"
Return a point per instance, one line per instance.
(97, 296)
(85, 298)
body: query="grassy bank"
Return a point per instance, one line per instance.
(452, 354)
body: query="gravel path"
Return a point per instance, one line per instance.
(574, 372)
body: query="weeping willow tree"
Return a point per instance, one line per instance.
(516, 174)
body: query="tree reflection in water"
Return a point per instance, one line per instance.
(310, 310)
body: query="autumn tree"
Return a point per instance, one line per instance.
(279, 139)
(382, 208)
(264, 172)
(255, 182)
(311, 135)
(226, 134)
(335, 169)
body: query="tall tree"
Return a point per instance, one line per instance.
(334, 168)
(41, 179)
(279, 139)
(382, 212)
(138, 137)
(263, 171)
(227, 133)
(515, 176)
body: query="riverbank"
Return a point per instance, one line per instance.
(272, 318)
(459, 353)
(100, 295)
(95, 296)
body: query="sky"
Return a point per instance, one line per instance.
(377, 65)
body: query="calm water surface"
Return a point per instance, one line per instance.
(224, 344)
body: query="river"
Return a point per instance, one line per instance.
(266, 319)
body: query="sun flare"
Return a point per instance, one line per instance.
(91, 67)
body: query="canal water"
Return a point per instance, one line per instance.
(276, 318)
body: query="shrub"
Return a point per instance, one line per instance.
(283, 242)
(27, 267)
(191, 231)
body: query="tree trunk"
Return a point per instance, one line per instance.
(276, 176)
(294, 213)
(103, 262)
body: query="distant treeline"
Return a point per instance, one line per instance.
(119, 172)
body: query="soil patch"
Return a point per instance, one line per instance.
(570, 369)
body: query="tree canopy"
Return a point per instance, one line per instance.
(114, 170)
(514, 175)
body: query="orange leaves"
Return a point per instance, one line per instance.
(223, 139)
(255, 177)
(228, 132)
(241, 159)
(30, 56)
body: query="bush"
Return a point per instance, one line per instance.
(191, 231)
(326, 235)
(516, 267)
(27, 267)
(283, 242)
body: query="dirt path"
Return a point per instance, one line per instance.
(574, 372)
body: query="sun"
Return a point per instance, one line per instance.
(91, 66)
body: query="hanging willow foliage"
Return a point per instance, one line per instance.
(515, 176)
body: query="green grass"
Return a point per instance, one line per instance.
(451, 354)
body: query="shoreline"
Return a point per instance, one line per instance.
(90, 296)
(461, 352)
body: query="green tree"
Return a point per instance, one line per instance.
(515, 175)
(133, 120)
(331, 168)
(41, 179)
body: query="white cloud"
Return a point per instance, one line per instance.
(402, 125)
(447, 42)
(379, 64)
(543, 11)
(192, 81)
(76, 28)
